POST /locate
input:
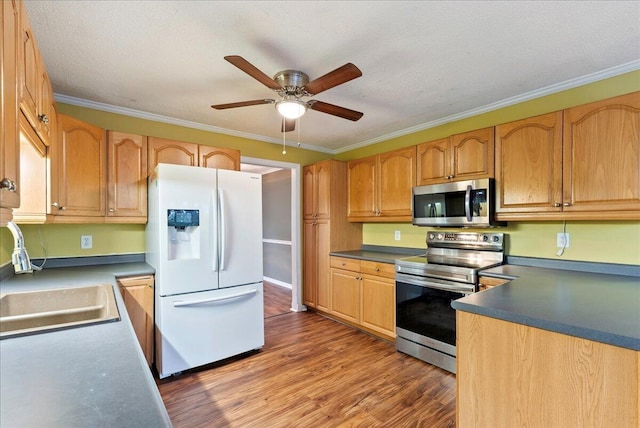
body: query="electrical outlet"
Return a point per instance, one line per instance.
(396, 235)
(86, 242)
(563, 240)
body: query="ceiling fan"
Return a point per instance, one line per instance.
(292, 86)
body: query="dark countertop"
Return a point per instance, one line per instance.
(595, 306)
(87, 376)
(378, 253)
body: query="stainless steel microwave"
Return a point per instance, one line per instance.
(457, 204)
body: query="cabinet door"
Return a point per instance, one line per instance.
(33, 176)
(362, 181)
(29, 75)
(601, 159)
(138, 296)
(529, 164)
(161, 150)
(216, 157)
(308, 191)
(127, 175)
(323, 265)
(309, 283)
(322, 192)
(345, 295)
(46, 103)
(395, 181)
(433, 162)
(472, 154)
(80, 168)
(9, 135)
(378, 304)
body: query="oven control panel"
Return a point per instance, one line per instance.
(487, 240)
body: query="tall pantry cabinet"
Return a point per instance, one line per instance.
(326, 229)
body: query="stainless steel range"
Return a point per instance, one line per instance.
(426, 285)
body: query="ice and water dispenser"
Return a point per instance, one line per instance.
(183, 234)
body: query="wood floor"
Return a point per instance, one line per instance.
(313, 372)
(277, 300)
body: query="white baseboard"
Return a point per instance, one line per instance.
(277, 282)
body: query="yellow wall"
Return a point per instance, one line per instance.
(615, 242)
(608, 242)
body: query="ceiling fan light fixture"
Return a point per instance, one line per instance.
(291, 108)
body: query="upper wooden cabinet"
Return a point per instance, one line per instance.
(582, 163)
(601, 156)
(316, 187)
(380, 186)
(9, 134)
(126, 176)
(466, 156)
(36, 94)
(529, 165)
(216, 157)
(80, 169)
(161, 150)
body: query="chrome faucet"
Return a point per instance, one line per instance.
(19, 258)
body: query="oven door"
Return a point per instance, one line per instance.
(423, 311)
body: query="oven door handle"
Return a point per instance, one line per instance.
(467, 203)
(409, 279)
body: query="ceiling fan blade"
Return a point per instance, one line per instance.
(242, 104)
(252, 71)
(288, 125)
(342, 112)
(333, 78)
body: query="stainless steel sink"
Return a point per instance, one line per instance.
(31, 312)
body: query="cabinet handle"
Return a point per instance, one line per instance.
(43, 118)
(377, 269)
(10, 185)
(557, 204)
(566, 204)
(111, 210)
(56, 205)
(449, 177)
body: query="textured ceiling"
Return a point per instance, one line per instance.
(423, 62)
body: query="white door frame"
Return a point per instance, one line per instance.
(296, 248)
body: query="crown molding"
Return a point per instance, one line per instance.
(80, 102)
(547, 90)
(527, 96)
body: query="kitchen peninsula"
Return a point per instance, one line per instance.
(549, 348)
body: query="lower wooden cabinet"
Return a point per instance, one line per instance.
(363, 294)
(138, 294)
(487, 282)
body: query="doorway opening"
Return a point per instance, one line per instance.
(281, 232)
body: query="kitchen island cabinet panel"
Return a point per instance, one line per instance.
(138, 294)
(542, 378)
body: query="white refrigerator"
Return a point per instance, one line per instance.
(204, 239)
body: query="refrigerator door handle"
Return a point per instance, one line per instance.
(214, 230)
(223, 230)
(179, 303)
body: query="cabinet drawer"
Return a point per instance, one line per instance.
(386, 270)
(345, 263)
(133, 281)
(487, 282)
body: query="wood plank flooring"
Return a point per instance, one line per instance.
(313, 372)
(277, 300)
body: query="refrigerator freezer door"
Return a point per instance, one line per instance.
(184, 257)
(240, 199)
(201, 328)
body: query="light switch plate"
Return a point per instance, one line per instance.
(396, 235)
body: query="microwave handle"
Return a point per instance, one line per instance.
(467, 203)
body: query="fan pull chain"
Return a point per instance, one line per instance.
(284, 141)
(298, 126)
